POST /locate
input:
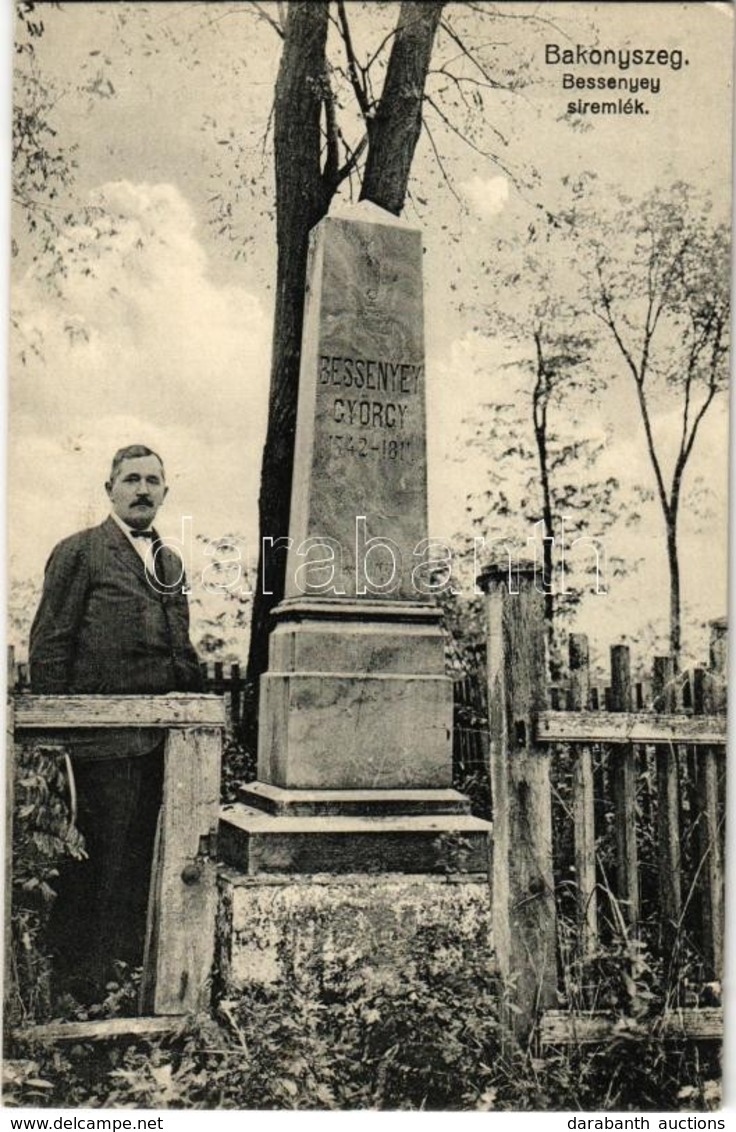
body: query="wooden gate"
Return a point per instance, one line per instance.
(588, 783)
(182, 905)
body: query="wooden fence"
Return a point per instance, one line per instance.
(222, 679)
(470, 765)
(573, 775)
(182, 905)
(615, 817)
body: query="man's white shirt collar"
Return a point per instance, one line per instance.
(142, 546)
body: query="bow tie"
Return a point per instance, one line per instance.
(142, 534)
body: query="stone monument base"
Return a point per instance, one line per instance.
(355, 697)
(376, 803)
(363, 839)
(354, 749)
(280, 928)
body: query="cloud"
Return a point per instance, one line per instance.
(135, 342)
(487, 196)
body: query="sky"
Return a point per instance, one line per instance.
(160, 333)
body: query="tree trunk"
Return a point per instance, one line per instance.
(549, 533)
(394, 131)
(540, 402)
(302, 198)
(301, 201)
(673, 562)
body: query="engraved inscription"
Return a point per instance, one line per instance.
(371, 414)
(368, 414)
(370, 373)
(366, 447)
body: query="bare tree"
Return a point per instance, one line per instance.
(312, 159)
(319, 99)
(660, 286)
(542, 461)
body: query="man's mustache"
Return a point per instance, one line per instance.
(143, 501)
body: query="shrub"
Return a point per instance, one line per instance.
(44, 837)
(426, 1034)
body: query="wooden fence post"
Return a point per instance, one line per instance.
(669, 862)
(183, 892)
(624, 793)
(583, 802)
(235, 711)
(709, 694)
(719, 659)
(8, 997)
(183, 901)
(524, 923)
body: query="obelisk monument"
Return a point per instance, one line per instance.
(355, 727)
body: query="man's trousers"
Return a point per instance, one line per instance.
(100, 913)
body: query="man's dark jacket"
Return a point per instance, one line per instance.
(104, 627)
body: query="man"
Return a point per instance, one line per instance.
(113, 618)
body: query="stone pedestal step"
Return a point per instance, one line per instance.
(256, 842)
(278, 929)
(334, 803)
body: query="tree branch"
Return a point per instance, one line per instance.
(458, 133)
(42, 205)
(354, 157)
(266, 132)
(359, 89)
(639, 383)
(397, 124)
(440, 162)
(277, 25)
(466, 53)
(495, 12)
(252, 5)
(713, 390)
(654, 458)
(386, 39)
(332, 156)
(458, 80)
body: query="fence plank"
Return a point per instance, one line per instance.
(235, 694)
(669, 863)
(103, 1029)
(583, 802)
(177, 709)
(719, 664)
(624, 792)
(523, 894)
(559, 1028)
(181, 947)
(686, 693)
(709, 834)
(630, 727)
